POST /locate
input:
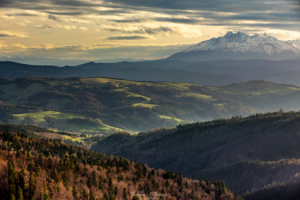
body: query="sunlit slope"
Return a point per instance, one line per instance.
(106, 105)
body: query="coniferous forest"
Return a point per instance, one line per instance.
(42, 169)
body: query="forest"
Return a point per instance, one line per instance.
(221, 149)
(34, 168)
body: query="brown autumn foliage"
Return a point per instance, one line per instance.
(110, 178)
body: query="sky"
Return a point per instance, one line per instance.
(74, 31)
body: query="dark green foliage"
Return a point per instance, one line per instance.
(20, 195)
(46, 197)
(74, 191)
(12, 178)
(125, 194)
(135, 197)
(92, 197)
(31, 187)
(279, 191)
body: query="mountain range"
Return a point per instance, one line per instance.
(241, 46)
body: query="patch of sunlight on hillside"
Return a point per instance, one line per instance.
(171, 118)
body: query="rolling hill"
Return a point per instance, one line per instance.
(106, 105)
(247, 153)
(215, 73)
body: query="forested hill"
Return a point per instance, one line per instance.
(258, 150)
(106, 105)
(44, 169)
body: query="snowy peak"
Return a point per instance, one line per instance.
(243, 43)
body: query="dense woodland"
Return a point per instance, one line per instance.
(221, 149)
(32, 168)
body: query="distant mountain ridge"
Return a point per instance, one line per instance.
(241, 46)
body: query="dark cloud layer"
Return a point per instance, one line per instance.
(21, 14)
(212, 12)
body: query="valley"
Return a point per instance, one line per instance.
(107, 105)
(247, 153)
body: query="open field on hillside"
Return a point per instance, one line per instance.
(106, 105)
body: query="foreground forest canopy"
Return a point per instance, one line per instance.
(32, 168)
(259, 151)
(106, 105)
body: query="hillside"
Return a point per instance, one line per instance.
(215, 73)
(47, 169)
(83, 140)
(107, 105)
(133, 71)
(227, 149)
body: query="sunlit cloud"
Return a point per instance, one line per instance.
(128, 37)
(83, 28)
(13, 34)
(122, 26)
(43, 26)
(67, 27)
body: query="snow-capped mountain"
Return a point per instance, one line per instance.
(241, 46)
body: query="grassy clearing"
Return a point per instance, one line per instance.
(171, 118)
(103, 81)
(60, 122)
(293, 88)
(130, 94)
(144, 104)
(199, 96)
(120, 83)
(39, 116)
(51, 135)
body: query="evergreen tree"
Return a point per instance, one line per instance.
(22, 178)
(20, 194)
(89, 182)
(66, 179)
(74, 191)
(92, 197)
(46, 196)
(31, 187)
(116, 191)
(55, 176)
(12, 197)
(41, 162)
(125, 194)
(12, 177)
(135, 197)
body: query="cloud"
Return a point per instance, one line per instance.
(43, 26)
(21, 14)
(94, 51)
(65, 13)
(13, 34)
(53, 17)
(129, 37)
(187, 31)
(138, 29)
(83, 28)
(179, 20)
(128, 20)
(67, 27)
